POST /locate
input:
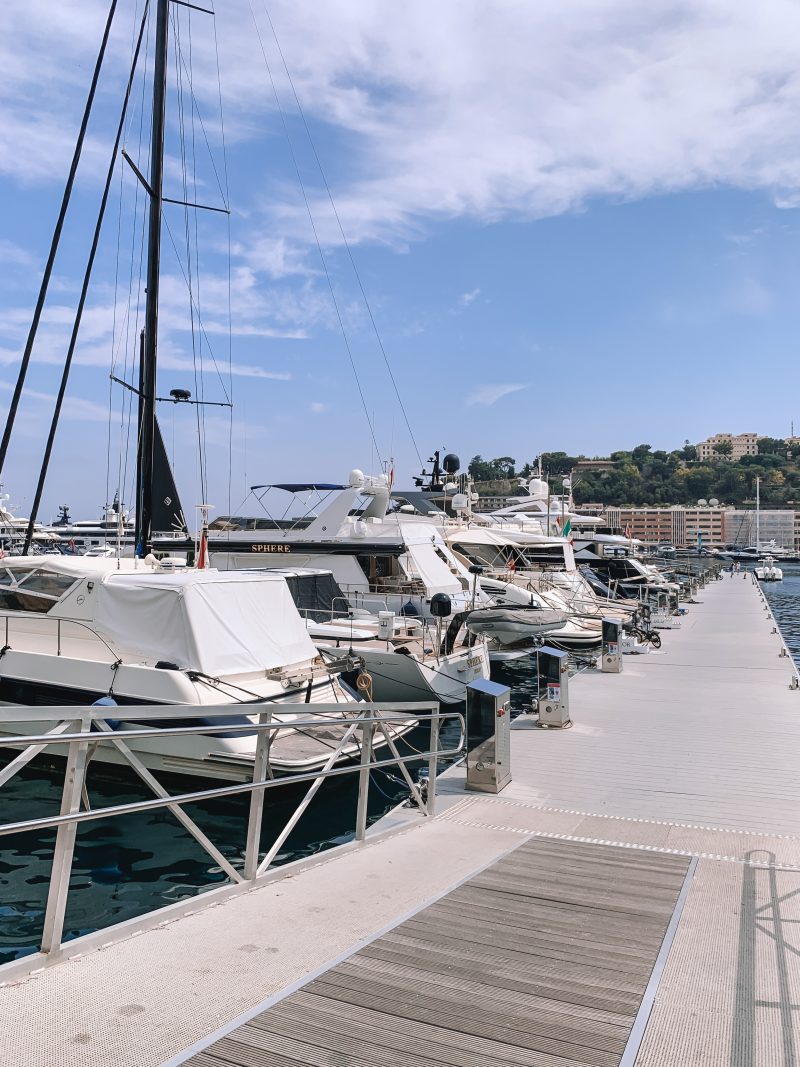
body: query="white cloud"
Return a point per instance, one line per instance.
(74, 407)
(317, 408)
(467, 298)
(456, 109)
(14, 256)
(490, 394)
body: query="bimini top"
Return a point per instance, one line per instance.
(222, 623)
(299, 487)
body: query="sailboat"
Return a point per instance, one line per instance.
(140, 630)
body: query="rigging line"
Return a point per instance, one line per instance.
(114, 345)
(82, 300)
(344, 238)
(196, 108)
(230, 315)
(204, 451)
(126, 421)
(200, 321)
(187, 229)
(314, 230)
(113, 336)
(56, 240)
(128, 119)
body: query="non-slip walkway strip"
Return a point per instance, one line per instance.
(543, 959)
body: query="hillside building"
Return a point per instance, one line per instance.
(742, 444)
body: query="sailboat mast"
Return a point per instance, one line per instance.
(758, 513)
(144, 488)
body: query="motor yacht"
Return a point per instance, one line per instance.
(78, 630)
(407, 656)
(381, 563)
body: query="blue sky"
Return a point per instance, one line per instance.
(577, 226)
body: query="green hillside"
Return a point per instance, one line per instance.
(646, 477)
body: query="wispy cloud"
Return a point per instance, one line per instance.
(14, 256)
(317, 408)
(490, 394)
(75, 407)
(504, 111)
(468, 298)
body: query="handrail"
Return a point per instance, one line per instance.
(81, 729)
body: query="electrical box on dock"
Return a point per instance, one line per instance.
(488, 736)
(553, 668)
(611, 658)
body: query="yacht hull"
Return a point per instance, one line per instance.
(442, 678)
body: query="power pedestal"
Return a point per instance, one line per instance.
(488, 717)
(611, 657)
(553, 667)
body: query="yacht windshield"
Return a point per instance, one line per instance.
(33, 590)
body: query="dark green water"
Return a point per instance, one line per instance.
(135, 863)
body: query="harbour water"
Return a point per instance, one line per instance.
(127, 866)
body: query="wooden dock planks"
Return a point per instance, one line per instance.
(541, 960)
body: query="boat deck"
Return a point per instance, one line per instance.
(647, 867)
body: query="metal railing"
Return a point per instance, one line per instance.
(58, 631)
(79, 731)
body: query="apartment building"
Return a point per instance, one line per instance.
(680, 526)
(742, 444)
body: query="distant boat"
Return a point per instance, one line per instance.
(768, 572)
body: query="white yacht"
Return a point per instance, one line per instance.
(768, 571)
(406, 656)
(77, 630)
(381, 563)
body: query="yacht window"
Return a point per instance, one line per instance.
(19, 600)
(47, 582)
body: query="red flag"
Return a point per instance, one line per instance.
(202, 555)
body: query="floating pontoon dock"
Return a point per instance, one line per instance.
(633, 897)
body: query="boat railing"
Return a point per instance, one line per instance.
(76, 733)
(57, 629)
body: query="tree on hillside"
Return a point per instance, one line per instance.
(557, 464)
(491, 470)
(723, 448)
(688, 452)
(771, 445)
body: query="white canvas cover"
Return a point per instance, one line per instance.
(218, 623)
(422, 540)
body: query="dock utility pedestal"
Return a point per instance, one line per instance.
(488, 736)
(553, 669)
(611, 658)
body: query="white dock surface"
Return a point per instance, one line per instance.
(695, 750)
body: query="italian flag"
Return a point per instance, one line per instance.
(566, 529)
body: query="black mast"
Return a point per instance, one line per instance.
(137, 530)
(144, 488)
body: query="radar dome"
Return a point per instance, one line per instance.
(537, 487)
(451, 463)
(356, 479)
(460, 502)
(714, 502)
(701, 503)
